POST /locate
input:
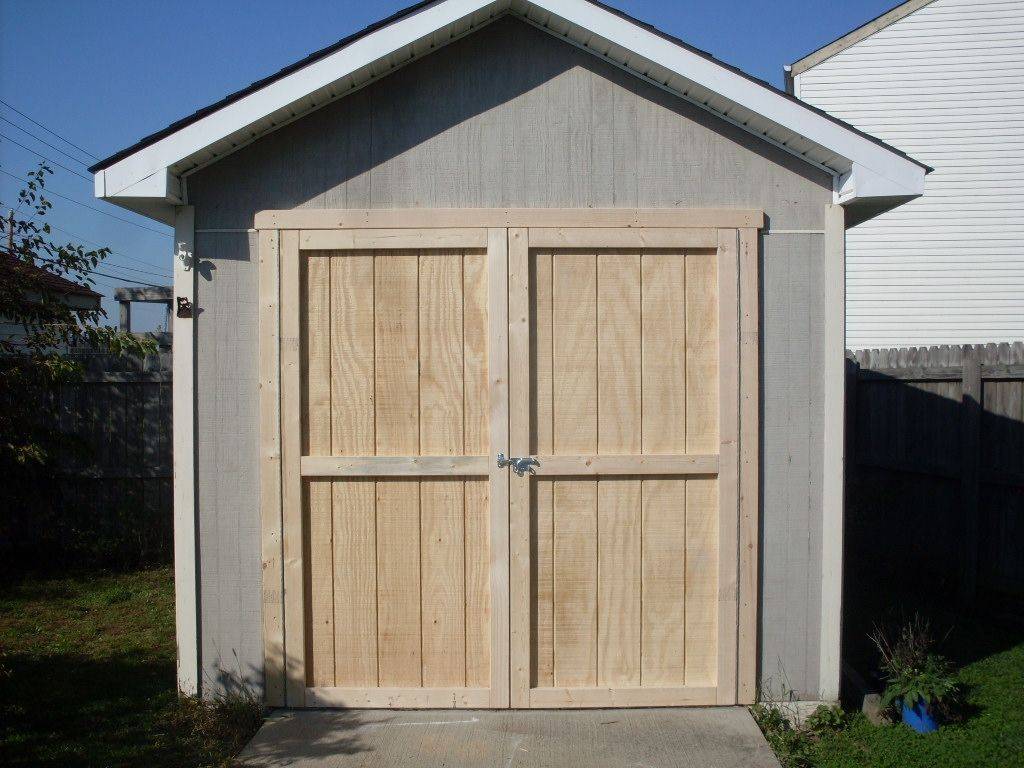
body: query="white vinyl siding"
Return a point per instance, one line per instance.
(946, 85)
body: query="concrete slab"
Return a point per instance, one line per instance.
(719, 737)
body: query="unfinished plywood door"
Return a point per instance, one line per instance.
(624, 388)
(400, 380)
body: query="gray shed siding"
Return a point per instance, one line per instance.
(509, 117)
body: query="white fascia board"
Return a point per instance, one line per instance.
(903, 177)
(890, 172)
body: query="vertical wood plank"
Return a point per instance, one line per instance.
(291, 479)
(542, 436)
(728, 462)
(474, 278)
(497, 317)
(355, 582)
(270, 467)
(618, 353)
(750, 442)
(442, 579)
(701, 596)
(398, 583)
(663, 577)
(440, 353)
(618, 588)
(663, 279)
(396, 353)
(519, 445)
(575, 559)
(477, 501)
(352, 355)
(574, 317)
(478, 587)
(970, 447)
(701, 385)
(316, 428)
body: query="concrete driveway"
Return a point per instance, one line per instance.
(637, 738)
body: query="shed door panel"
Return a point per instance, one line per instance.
(623, 555)
(394, 369)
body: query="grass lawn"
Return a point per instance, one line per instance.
(87, 678)
(992, 735)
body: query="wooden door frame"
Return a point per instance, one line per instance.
(281, 235)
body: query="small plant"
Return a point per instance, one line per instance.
(826, 719)
(916, 676)
(791, 745)
(216, 728)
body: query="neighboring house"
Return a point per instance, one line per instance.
(487, 229)
(944, 81)
(77, 296)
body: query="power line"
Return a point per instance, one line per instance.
(112, 251)
(40, 154)
(91, 208)
(92, 271)
(52, 133)
(43, 141)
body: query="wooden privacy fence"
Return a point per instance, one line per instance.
(106, 499)
(935, 470)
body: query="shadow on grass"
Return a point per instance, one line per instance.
(73, 710)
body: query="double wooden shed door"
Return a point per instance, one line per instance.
(509, 465)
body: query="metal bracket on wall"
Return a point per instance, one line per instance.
(184, 310)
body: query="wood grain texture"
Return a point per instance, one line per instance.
(398, 583)
(478, 586)
(664, 582)
(316, 430)
(443, 582)
(574, 345)
(701, 596)
(270, 467)
(396, 353)
(618, 582)
(618, 353)
(701, 353)
(291, 479)
(575, 583)
(664, 353)
(355, 582)
(441, 383)
(352, 355)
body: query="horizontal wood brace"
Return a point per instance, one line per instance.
(556, 698)
(399, 698)
(609, 237)
(681, 464)
(378, 239)
(306, 218)
(395, 466)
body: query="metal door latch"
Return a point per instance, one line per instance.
(521, 465)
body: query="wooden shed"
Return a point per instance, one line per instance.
(509, 367)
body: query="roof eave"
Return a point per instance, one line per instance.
(147, 180)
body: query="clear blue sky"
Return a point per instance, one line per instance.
(104, 73)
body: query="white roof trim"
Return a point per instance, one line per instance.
(867, 169)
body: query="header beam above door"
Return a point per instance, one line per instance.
(306, 218)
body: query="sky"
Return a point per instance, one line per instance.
(104, 73)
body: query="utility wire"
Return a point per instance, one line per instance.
(52, 133)
(43, 141)
(91, 271)
(91, 208)
(40, 154)
(112, 251)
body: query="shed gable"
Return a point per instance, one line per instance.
(508, 116)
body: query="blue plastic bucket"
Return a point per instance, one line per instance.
(919, 717)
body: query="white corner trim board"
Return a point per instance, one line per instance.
(186, 605)
(833, 452)
(144, 180)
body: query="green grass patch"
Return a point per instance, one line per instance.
(990, 736)
(87, 678)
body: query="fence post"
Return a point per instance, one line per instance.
(970, 448)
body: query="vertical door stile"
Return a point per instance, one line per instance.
(728, 477)
(291, 480)
(497, 293)
(519, 498)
